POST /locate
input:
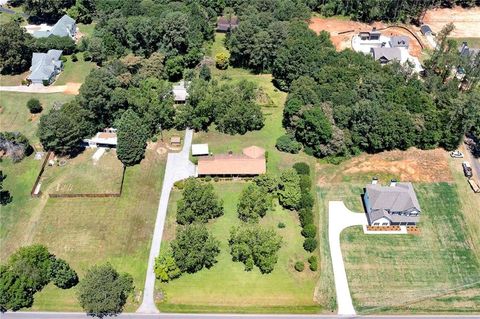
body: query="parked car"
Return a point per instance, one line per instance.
(456, 154)
(467, 169)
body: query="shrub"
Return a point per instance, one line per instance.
(63, 58)
(302, 168)
(309, 231)
(306, 201)
(299, 266)
(46, 82)
(221, 61)
(286, 143)
(216, 179)
(179, 184)
(195, 160)
(281, 225)
(34, 106)
(87, 56)
(208, 178)
(306, 216)
(74, 58)
(154, 139)
(166, 268)
(305, 183)
(310, 244)
(313, 263)
(24, 82)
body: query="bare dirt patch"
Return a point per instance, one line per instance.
(466, 21)
(72, 88)
(341, 32)
(413, 165)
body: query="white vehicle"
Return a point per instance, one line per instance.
(456, 154)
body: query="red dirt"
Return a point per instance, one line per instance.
(466, 21)
(343, 41)
(72, 88)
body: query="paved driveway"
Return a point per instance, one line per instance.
(178, 167)
(34, 88)
(339, 218)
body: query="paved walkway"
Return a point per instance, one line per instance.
(339, 218)
(178, 167)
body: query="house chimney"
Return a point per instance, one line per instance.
(374, 181)
(393, 183)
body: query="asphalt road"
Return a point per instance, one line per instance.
(76, 315)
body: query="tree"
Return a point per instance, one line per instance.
(166, 268)
(194, 248)
(104, 291)
(46, 10)
(198, 203)
(309, 231)
(268, 182)
(62, 275)
(310, 244)
(5, 197)
(221, 61)
(289, 192)
(15, 48)
(302, 168)
(132, 138)
(66, 44)
(63, 130)
(205, 73)
(287, 143)
(312, 260)
(313, 128)
(254, 245)
(174, 68)
(15, 292)
(299, 266)
(254, 203)
(34, 106)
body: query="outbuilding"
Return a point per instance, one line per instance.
(199, 149)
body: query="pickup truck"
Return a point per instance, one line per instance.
(467, 169)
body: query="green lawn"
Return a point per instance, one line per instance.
(408, 273)
(226, 286)
(86, 29)
(15, 116)
(10, 80)
(472, 42)
(74, 71)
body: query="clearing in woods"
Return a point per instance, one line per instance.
(466, 21)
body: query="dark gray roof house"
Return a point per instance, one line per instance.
(399, 41)
(45, 66)
(396, 204)
(386, 55)
(426, 30)
(65, 27)
(373, 35)
(466, 51)
(225, 24)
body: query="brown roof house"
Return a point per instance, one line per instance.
(250, 163)
(396, 204)
(227, 23)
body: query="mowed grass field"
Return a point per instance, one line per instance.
(226, 286)
(15, 116)
(74, 71)
(84, 232)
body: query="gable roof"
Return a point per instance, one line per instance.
(226, 24)
(387, 54)
(199, 149)
(44, 65)
(180, 93)
(65, 27)
(399, 41)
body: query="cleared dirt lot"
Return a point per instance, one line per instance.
(342, 30)
(466, 21)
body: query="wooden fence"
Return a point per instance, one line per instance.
(45, 161)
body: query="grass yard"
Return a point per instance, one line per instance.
(74, 71)
(84, 232)
(83, 175)
(226, 286)
(15, 116)
(472, 42)
(86, 29)
(13, 80)
(407, 273)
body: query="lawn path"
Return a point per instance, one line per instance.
(339, 218)
(178, 167)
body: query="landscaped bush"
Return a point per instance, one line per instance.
(208, 178)
(302, 168)
(166, 268)
(179, 184)
(216, 179)
(87, 56)
(221, 61)
(289, 192)
(306, 216)
(286, 143)
(74, 58)
(154, 139)
(281, 225)
(312, 260)
(305, 183)
(299, 266)
(309, 231)
(310, 244)
(306, 201)
(34, 106)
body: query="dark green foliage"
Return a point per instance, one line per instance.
(305, 183)
(306, 216)
(268, 182)
(15, 48)
(198, 204)
(34, 106)
(104, 291)
(132, 138)
(62, 275)
(309, 231)
(306, 200)
(289, 193)
(254, 245)
(48, 11)
(74, 58)
(205, 73)
(66, 44)
(312, 260)
(287, 143)
(281, 225)
(63, 130)
(15, 292)
(310, 244)
(299, 266)
(302, 168)
(166, 268)
(194, 248)
(253, 204)
(5, 197)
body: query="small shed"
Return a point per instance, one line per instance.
(426, 30)
(175, 141)
(199, 149)
(180, 94)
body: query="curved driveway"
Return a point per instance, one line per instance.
(178, 167)
(339, 218)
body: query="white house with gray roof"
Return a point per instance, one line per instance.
(45, 66)
(396, 204)
(65, 27)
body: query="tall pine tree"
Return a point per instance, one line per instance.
(132, 138)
